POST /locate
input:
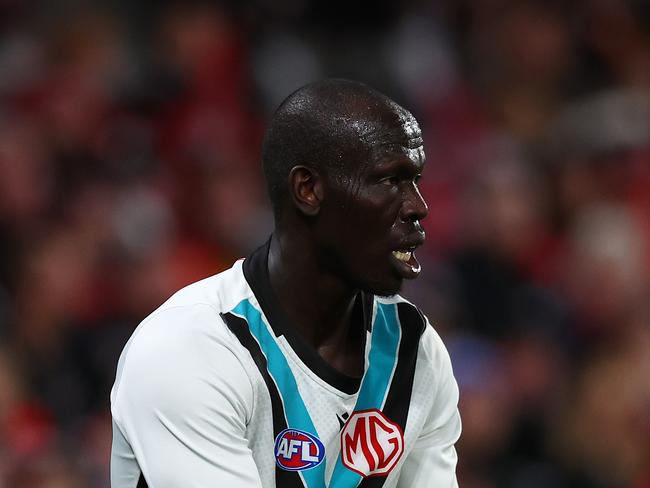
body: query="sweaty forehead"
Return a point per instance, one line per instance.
(389, 134)
(392, 126)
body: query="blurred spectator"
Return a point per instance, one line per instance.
(603, 436)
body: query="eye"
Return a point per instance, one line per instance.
(417, 178)
(389, 181)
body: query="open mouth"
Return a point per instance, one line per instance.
(407, 262)
(404, 256)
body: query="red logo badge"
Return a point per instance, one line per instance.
(371, 444)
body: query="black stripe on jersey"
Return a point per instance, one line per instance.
(397, 403)
(239, 327)
(142, 483)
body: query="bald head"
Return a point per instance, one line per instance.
(331, 126)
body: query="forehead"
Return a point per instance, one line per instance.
(395, 138)
(390, 125)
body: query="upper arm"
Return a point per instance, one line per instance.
(432, 461)
(183, 401)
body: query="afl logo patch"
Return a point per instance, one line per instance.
(371, 444)
(297, 450)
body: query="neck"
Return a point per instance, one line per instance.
(319, 305)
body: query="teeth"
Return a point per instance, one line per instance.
(403, 255)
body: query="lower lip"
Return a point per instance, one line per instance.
(408, 270)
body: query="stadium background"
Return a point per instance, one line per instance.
(129, 166)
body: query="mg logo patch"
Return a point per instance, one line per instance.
(371, 444)
(297, 450)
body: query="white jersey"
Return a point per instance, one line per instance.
(214, 390)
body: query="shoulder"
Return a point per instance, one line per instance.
(193, 314)
(221, 291)
(410, 316)
(434, 365)
(183, 348)
(189, 323)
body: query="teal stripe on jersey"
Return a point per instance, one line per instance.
(384, 346)
(295, 410)
(386, 334)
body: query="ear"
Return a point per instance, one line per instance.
(306, 188)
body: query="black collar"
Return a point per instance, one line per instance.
(256, 272)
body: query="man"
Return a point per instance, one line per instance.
(300, 366)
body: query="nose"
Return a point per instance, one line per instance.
(414, 208)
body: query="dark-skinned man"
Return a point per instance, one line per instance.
(300, 366)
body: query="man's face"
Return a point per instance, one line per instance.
(370, 218)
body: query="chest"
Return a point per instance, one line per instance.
(309, 433)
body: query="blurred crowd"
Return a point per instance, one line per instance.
(130, 166)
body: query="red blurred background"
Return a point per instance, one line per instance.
(130, 166)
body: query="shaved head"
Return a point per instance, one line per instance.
(331, 126)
